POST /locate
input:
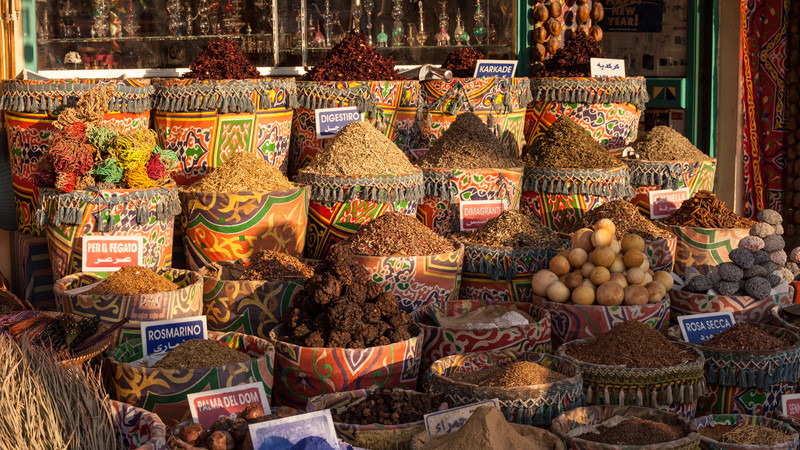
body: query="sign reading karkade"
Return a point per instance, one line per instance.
(111, 253)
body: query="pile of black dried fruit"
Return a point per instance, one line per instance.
(229, 433)
(386, 406)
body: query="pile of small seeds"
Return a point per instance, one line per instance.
(467, 144)
(635, 431)
(518, 373)
(745, 434)
(133, 280)
(631, 344)
(462, 62)
(705, 210)
(627, 218)
(565, 145)
(359, 149)
(386, 406)
(663, 143)
(743, 336)
(200, 353)
(514, 229)
(243, 172)
(396, 234)
(353, 59)
(268, 265)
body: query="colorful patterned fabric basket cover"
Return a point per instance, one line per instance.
(184, 302)
(534, 405)
(783, 417)
(780, 319)
(249, 307)
(596, 415)
(661, 253)
(391, 106)
(417, 281)
(306, 372)
(138, 429)
(69, 217)
(207, 121)
(672, 389)
(744, 381)
(744, 308)
(704, 248)
(219, 226)
(499, 274)
(441, 342)
(339, 205)
(500, 102)
(649, 176)
(347, 431)
(446, 190)
(571, 322)
(608, 108)
(163, 391)
(32, 106)
(560, 197)
(742, 420)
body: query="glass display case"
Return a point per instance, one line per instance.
(162, 37)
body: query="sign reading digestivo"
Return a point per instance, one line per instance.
(698, 328)
(159, 336)
(790, 405)
(330, 120)
(475, 213)
(111, 253)
(209, 406)
(445, 422)
(664, 202)
(606, 67)
(495, 68)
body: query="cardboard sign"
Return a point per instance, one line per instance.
(330, 120)
(111, 253)
(664, 202)
(790, 405)
(282, 434)
(495, 68)
(476, 212)
(159, 336)
(417, 153)
(606, 67)
(445, 422)
(209, 406)
(698, 328)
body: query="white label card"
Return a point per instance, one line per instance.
(606, 67)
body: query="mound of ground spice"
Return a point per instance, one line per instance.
(200, 353)
(462, 62)
(467, 144)
(565, 145)
(268, 265)
(518, 373)
(631, 344)
(133, 280)
(743, 336)
(635, 431)
(627, 218)
(514, 229)
(359, 149)
(222, 60)
(243, 172)
(342, 307)
(396, 234)
(353, 59)
(705, 210)
(663, 143)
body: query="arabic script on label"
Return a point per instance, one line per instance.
(111, 253)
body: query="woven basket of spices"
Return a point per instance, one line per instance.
(779, 414)
(552, 384)
(784, 316)
(31, 107)
(135, 379)
(138, 429)
(743, 307)
(745, 432)
(744, 381)
(608, 108)
(442, 339)
(636, 427)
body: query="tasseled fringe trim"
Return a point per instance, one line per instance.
(515, 92)
(761, 374)
(54, 97)
(227, 97)
(679, 392)
(540, 411)
(591, 90)
(666, 175)
(501, 262)
(598, 182)
(329, 190)
(316, 96)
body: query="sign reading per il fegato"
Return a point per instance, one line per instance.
(159, 336)
(330, 120)
(111, 253)
(495, 68)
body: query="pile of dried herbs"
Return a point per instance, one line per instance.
(663, 143)
(514, 229)
(243, 172)
(565, 145)
(396, 234)
(467, 144)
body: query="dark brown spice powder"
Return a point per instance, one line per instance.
(133, 280)
(269, 265)
(635, 431)
(565, 145)
(514, 229)
(627, 219)
(518, 373)
(743, 336)
(396, 234)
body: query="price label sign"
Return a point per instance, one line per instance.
(445, 422)
(284, 433)
(209, 406)
(475, 213)
(790, 405)
(111, 253)
(698, 328)
(159, 336)
(664, 202)
(606, 67)
(330, 120)
(495, 68)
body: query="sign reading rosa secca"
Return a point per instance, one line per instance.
(161, 336)
(330, 120)
(495, 68)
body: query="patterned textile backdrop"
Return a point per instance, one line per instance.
(765, 25)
